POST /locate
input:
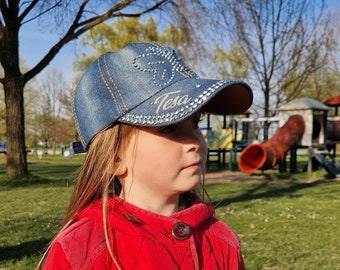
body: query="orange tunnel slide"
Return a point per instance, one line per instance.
(333, 130)
(266, 155)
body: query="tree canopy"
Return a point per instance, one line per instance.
(119, 33)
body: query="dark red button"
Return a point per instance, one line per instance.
(181, 231)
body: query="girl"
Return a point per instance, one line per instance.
(134, 206)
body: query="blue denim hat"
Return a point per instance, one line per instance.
(148, 84)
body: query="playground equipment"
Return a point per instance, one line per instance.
(220, 137)
(265, 156)
(333, 102)
(303, 124)
(333, 130)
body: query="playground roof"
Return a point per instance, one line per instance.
(303, 104)
(333, 102)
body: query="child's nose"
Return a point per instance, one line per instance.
(195, 140)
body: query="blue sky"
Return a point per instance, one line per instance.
(34, 45)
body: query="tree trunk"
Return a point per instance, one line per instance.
(15, 129)
(266, 113)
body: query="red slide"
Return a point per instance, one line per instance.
(333, 127)
(333, 130)
(264, 156)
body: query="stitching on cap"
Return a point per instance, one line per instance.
(115, 85)
(106, 84)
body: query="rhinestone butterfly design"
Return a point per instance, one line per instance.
(164, 64)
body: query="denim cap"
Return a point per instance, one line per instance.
(148, 84)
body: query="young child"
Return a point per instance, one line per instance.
(134, 206)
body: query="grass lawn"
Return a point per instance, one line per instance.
(281, 224)
(31, 209)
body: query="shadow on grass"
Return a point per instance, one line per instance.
(42, 174)
(27, 249)
(34, 180)
(263, 190)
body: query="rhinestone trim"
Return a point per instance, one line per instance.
(161, 119)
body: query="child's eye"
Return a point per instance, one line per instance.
(197, 120)
(167, 129)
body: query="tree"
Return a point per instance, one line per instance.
(71, 19)
(119, 33)
(53, 91)
(2, 116)
(114, 36)
(281, 40)
(52, 119)
(231, 63)
(321, 85)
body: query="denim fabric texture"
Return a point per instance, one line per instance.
(148, 84)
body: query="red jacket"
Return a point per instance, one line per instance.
(191, 239)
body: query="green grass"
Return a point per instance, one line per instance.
(31, 209)
(281, 224)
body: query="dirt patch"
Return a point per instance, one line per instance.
(230, 176)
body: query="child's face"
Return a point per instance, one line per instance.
(165, 161)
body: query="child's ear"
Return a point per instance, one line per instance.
(119, 169)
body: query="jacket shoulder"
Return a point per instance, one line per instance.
(83, 243)
(223, 233)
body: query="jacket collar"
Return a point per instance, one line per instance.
(128, 218)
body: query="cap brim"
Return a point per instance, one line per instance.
(185, 97)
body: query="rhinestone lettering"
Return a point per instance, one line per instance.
(166, 118)
(169, 101)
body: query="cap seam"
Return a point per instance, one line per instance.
(101, 72)
(115, 85)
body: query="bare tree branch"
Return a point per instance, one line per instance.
(31, 7)
(278, 38)
(77, 28)
(27, 10)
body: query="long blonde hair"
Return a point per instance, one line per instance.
(96, 178)
(97, 171)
